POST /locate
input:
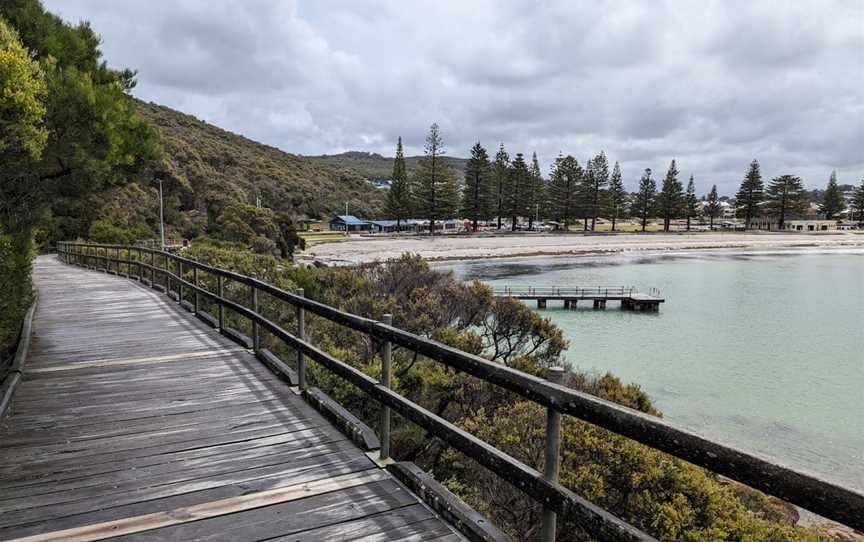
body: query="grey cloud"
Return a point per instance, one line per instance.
(713, 84)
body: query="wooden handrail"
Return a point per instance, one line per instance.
(803, 489)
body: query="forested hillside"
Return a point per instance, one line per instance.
(211, 166)
(222, 185)
(372, 165)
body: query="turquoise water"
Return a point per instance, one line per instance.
(760, 350)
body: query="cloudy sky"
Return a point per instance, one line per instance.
(712, 84)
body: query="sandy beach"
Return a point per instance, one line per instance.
(357, 249)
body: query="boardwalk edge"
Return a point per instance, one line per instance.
(16, 371)
(468, 521)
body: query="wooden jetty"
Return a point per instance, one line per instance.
(630, 298)
(134, 420)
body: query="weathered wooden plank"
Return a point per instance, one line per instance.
(135, 410)
(207, 510)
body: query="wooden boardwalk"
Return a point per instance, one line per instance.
(136, 422)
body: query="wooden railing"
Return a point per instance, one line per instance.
(806, 490)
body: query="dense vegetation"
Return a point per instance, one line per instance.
(664, 496)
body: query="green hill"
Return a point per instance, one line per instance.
(211, 165)
(374, 166)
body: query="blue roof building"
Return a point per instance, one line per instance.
(349, 223)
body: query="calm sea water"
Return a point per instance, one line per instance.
(761, 350)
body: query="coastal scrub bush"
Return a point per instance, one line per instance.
(664, 496)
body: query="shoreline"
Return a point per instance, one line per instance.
(357, 250)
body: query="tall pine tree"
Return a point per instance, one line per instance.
(435, 188)
(536, 192)
(750, 194)
(832, 200)
(690, 202)
(596, 182)
(520, 183)
(858, 203)
(476, 191)
(500, 178)
(670, 201)
(563, 193)
(712, 206)
(786, 196)
(399, 197)
(644, 199)
(616, 199)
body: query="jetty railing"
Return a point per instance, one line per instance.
(806, 490)
(572, 291)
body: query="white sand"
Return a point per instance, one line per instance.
(358, 249)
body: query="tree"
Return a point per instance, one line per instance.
(564, 189)
(617, 197)
(644, 201)
(399, 198)
(832, 201)
(475, 192)
(786, 196)
(520, 183)
(596, 181)
(500, 176)
(670, 201)
(712, 206)
(435, 184)
(750, 194)
(858, 203)
(691, 204)
(536, 192)
(23, 90)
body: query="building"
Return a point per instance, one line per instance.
(349, 223)
(771, 223)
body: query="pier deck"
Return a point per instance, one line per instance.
(629, 297)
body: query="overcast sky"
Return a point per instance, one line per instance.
(712, 84)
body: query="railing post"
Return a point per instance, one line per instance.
(180, 282)
(301, 334)
(128, 262)
(140, 265)
(253, 300)
(195, 282)
(386, 354)
(165, 273)
(220, 284)
(553, 446)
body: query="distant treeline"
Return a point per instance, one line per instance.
(505, 189)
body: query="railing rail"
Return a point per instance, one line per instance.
(570, 291)
(803, 489)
